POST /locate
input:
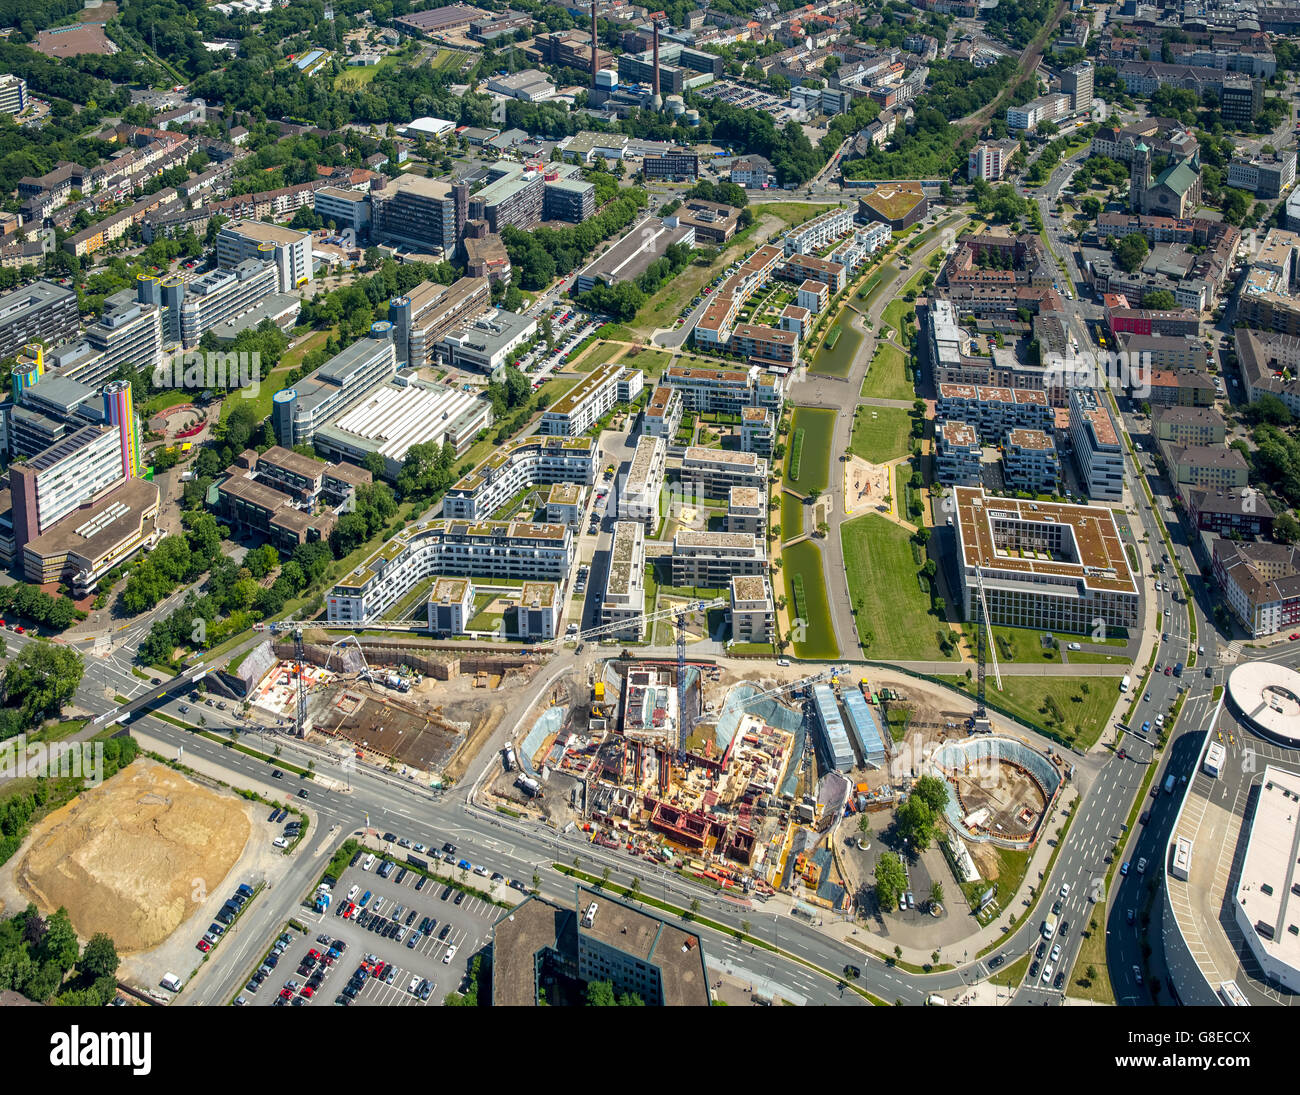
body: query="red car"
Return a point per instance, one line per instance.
(1294, 635)
(308, 991)
(1168, 670)
(204, 945)
(286, 994)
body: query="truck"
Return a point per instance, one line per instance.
(1049, 926)
(510, 758)
(528, 786)
(1123, 685)
(322, 901)
(1170, 783)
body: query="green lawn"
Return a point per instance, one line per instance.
(599, 353)
(887, 375)
(892, 611)
(164, 400)
(650, 362)
(893, 316)
(880, 434)
(1084, 712)
(805, 559)
(814, 461)
(1024, 645)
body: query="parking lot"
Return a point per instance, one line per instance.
(402, 955)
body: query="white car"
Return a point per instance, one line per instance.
(1065, 890)
(1046, 975)
(451, 953)
(280, 842)
(352, 893)
(370, 862)
(414, 986)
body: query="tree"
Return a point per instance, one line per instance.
(99, 959)
(1131, 252)
(41, 679)
(1286, 528)
(914, 821)
(600, 994)
(933, 791)
(695, 908)
(936, 892)
(891, 880)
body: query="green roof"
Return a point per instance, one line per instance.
(1180, 178)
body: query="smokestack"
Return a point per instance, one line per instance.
(655, 86)
(593, 43)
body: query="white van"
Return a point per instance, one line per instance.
(171, 982)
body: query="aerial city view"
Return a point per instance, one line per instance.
(563, 503)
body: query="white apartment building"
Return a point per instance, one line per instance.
(487, 549)
(815, 234)
(663, 413)
(1098, 454)
(716, 471)
(527, 462)
(753, 616)
(712, 559)
(588, 401)
(624, 598)
(639, 487)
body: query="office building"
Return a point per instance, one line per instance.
(514, 196)
(425, 214)
(40, 312)
(486, 549)
(1263, 176)
(518, 465)
(338, 385)
(348, 209)
(190, 309)
(677, 164)
(1076, 82)
(572, 200)
(832, 736)
(538, 942)
(1098, 454)
(487, 342)
(992, 410)
(290, 251)
(1044, 565)
(428, 313)
(1235, 513)
(634, 252)
(13, 94)
(989, 160)
(753, 617)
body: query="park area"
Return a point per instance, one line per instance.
(887, 375)
(806, 601)
(891, 609)
(880, 434)
(808, 460)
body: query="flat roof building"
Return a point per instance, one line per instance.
(624, 599)
(627, 259)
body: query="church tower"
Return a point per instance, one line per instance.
(1139, 176)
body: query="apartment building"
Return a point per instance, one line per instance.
(663, 413)
(1098, 454)
(518, 465)
(450, 606)
(712, 559)
(747, 510)
(957, 454)
(757, 430)
(485, 549)
(588, 401)
(639, 488)
(1234, 513)
(1030, 462)
(989, 160)
(1261, 583)
(725, 390)
(347, 208)
(993, 411)
(1188, 426)
(1209, 467)
(818, 233)
(715, 471)
(624, 599)
(800, 268)
(769, 347)
(752, 609)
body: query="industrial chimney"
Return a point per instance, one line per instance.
(656, 101)
(593, 43)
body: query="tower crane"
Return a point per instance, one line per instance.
(982, 628)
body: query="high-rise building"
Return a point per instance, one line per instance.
(41, 311)
(1076, 82)
(13, 94)
(426, 214)
(241, 240)
(119, 413)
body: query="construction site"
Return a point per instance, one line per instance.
(418, 709)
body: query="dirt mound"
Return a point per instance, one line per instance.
(134, 856)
